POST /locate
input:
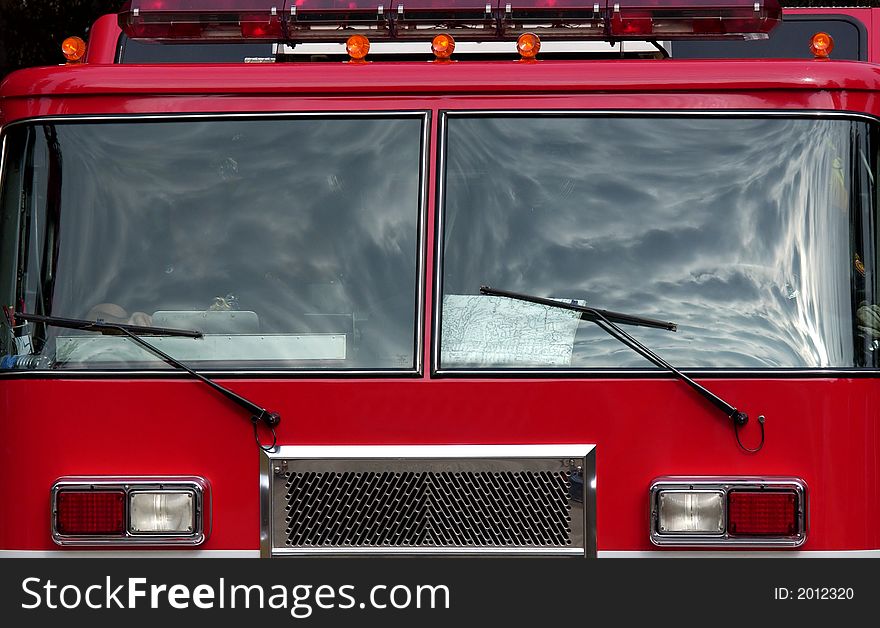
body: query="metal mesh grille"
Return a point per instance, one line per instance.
(428, 509)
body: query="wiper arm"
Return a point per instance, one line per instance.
(587, 313)
(103, 327)
(599, 317)
(258, 414)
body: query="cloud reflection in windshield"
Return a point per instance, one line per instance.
(737, 229)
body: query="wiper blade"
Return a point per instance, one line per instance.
(599, 317)
(103, 327)
(587, 313)
(258, 413)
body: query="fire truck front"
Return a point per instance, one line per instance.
(451, 277)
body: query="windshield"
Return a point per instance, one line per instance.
(754, 234)
(291, 243)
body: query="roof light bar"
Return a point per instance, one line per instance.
(466, 19)
(334, 20)
(202, 20)
(709, 19)
(559, 19)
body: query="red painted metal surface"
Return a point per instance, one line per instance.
(103, 40)
(489, 77)
(824, 430)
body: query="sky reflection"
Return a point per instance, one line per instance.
(742, 231)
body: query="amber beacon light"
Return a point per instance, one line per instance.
(73, 49)
(357, 47)
(442, 46)
(821, 45)
(528, 45)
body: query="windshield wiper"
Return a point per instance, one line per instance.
(109, 329)
(604, 322)
(134, 332)
(587, 313)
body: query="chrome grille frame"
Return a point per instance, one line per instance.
(461, 471)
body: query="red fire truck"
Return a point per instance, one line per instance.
(440, 277)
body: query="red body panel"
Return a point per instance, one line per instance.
(104, 40)
(825, 430)
(447, 79)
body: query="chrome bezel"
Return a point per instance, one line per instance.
(432, 456)
(726, 485)
(197, 486)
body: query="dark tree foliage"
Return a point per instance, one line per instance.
(31, 31)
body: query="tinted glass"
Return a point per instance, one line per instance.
(789, 40)
(292, 243)
(131, 51)
(756, 235)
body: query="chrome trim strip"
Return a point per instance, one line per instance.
(421, 236)
(380, 452)
(659, 373)
(140, 553)
(726, 484)
(422, 244)
(200, 488)
(243, 553)
(665, 113)
(266, 502)
(168, 373)
(439, 214)
(139, 117)
(440, 211)
(870, 553)
(584, 452)
(164, 374)
(438, 551)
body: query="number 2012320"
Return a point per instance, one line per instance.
(813, 593)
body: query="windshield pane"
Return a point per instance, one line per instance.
(756, 235)
(292, 243)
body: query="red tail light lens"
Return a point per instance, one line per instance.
(762, 513)
(90, 512)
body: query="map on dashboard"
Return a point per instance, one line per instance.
(479, 330)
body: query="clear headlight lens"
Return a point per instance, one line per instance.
(691, 512)
(162, 513)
